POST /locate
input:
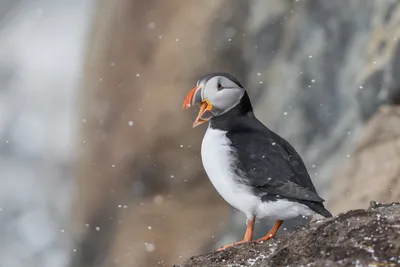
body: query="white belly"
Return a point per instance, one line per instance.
(282, 210)
(217, 160)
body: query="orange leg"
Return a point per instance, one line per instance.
(271, 232)
(248, 236)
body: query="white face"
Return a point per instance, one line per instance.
(222, 93)
(216, 94)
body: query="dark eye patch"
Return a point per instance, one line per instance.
(219, 86)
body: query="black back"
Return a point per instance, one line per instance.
(266, 161)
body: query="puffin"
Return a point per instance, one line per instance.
(254, 169)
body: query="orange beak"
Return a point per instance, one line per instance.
(194, 97)
(188, 102)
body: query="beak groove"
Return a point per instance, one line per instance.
(188, 102)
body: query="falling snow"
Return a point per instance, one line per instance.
(158, 199)
(149, 247)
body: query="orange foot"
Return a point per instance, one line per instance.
(248, 236)
(271, 232)
(265, 238)
(230, 245)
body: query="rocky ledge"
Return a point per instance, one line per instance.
(356, 238)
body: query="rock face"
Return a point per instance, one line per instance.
(41, 43)
(355, 238)
(317, 72)
(374, 167)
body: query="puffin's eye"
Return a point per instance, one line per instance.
(219, 86)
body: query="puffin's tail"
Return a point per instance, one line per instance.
(324, 212)
(319, 208)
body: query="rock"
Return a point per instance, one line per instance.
(373, 170)
(37, 123)
(317, 73)
(354, 238)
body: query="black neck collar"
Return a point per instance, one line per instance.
(243, 109)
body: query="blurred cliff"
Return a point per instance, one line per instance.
(41, 45)
(105, 168)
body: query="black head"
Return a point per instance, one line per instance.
(228, 76)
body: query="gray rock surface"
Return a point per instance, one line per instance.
(355, 238)
(374, 169)
(319, 69)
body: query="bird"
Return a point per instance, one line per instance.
(253, 168)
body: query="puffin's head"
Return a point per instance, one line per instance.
(216, 93)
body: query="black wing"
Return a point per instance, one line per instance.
(270, 164)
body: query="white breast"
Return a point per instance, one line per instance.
(217, 159)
